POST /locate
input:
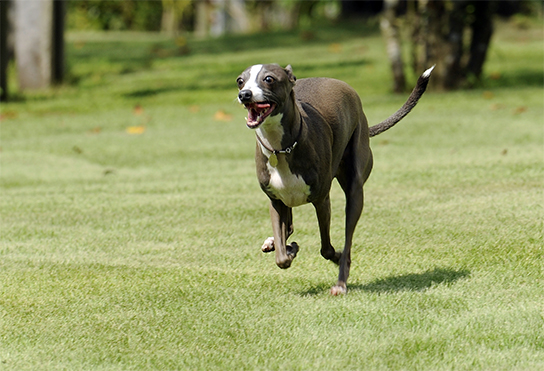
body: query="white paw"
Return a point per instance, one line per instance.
(338, 290)
(268, 245)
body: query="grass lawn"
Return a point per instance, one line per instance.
(132, 219)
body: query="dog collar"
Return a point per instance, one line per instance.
(273, 159)
(275, 151)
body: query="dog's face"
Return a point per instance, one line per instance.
(263, 91)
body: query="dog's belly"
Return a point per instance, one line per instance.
(291, 189)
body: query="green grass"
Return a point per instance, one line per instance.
(142, 251)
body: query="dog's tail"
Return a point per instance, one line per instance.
(406, 108)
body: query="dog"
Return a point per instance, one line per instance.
(308, 132)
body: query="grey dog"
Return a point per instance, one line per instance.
(309, 132)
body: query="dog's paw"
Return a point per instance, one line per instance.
(268, 245)
(292, 249)
(338, 290)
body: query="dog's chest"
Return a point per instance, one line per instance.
(290, 188)
(286, 186)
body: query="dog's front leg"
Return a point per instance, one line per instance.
(282, 226)
(323, 212)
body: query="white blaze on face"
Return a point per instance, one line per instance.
(252, 83)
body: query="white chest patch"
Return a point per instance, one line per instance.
(291, 189)
(271, 133)
(286, 186)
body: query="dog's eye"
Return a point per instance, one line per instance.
(269, 79)
(240, 82)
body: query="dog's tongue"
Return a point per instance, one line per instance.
(257, 112)
(257, 108)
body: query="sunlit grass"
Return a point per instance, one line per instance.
(140, 249)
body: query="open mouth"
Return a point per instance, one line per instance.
(257, 113)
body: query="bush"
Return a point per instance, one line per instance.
(114, 15)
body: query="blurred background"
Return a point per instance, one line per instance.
(455, 35)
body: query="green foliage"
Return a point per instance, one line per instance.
(132, 219)
(114, 15)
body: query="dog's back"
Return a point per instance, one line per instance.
(337, 103)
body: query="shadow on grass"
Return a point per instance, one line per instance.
(405, 282)
(224, 80)
(518, 78)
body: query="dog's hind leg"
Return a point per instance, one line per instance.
(282, 226)
(352, 176)
(354, 208)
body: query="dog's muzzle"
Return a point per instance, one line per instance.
(257, 112)
(245, 96)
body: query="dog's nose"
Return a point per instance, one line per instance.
(245, 95)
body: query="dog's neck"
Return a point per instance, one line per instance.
(282, 130)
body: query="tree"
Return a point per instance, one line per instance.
(172, 12)
(3, 50)
(436, 30)
(218, 17)
(39, 42)
(390, 27)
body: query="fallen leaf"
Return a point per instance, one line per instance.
(520, 110)
(138, 110)
(307, 35)
(488, 94)
(496, 106)
(135, 130)
(6, 115)
(335, 48)
(495, 75)
(222, 116)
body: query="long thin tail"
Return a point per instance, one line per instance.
(406, 108)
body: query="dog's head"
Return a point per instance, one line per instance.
(264, 90)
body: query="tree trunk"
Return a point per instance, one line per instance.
(437, 31)
(4, 57)
(202, 18)
(238, 19)
(435, 48)
(265, 10)
(417, 46)
(33, 43)
(390, 31)
(168, 18)
(482, 29)
(39, 42)
(218, 24)
(453, 71)
(57, 62)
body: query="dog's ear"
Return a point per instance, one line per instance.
(289, 71)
